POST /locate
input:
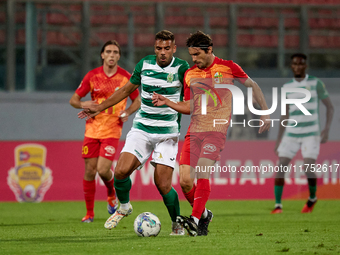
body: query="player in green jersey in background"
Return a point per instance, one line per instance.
(307, 134)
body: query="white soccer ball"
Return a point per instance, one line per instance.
(147, 224)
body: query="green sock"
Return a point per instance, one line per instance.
(123, 189)
(278, 193)
(172, 204)
(312, 191)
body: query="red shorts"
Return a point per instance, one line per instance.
(201, 145)
(106, 148)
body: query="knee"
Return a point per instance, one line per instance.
(104, 171)
(90, 172)
(121, 173)
(163, 187)
(186, 184)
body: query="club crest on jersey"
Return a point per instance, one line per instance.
(218, 77)
(170, 78)
(30, 178)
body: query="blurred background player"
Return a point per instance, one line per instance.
(306, 134)
(103, 131)
(155, 130)
(204, 142)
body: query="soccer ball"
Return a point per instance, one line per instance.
(147, 224)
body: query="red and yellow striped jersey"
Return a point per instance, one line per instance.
(107, 124)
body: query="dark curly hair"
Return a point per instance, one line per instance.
(200, 40)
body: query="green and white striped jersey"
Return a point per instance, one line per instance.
(307, 125)
(167, 81)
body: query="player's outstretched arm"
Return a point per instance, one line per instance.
(114, 99)
(329, 116)
(181, 107)
(259, 97)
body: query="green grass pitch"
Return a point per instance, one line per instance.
(238, 227)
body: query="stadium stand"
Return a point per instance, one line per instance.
(133, 24)
(257, 26)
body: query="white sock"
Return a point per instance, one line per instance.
(312, 200)
(196, 220)
(205, 213)
(278, 205)
(125, 206)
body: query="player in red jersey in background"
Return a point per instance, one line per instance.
(204, 142)
(103, 131)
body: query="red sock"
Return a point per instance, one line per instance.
(89, 188)
(190, 195)
(201, 197)
(109, 186)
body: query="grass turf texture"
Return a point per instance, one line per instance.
(238, 227)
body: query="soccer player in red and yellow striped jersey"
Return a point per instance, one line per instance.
(103, 131)
(204, 141)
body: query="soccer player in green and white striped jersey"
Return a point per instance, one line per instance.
(155, 129)
(306, 134)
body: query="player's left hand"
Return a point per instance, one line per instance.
(324, 136)
(266, 125)
(124, 116)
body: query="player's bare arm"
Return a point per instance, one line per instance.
(124, 115)
(181, 107)
(259, 97)
(114, 99)
(76, 102)
(329, 116)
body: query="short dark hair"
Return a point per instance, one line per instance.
(111, 42)
(299, 55)
(165, 35)
(200, 40)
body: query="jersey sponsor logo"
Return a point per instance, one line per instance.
(170, 78)
(29, 179)
(110, 150)
(96, 90)
(209, 148)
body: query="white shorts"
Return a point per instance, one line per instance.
(289, 146)
(164, 147)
